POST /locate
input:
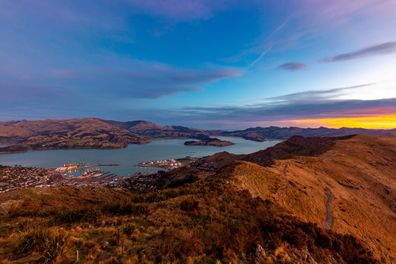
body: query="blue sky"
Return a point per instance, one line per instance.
(199, 63)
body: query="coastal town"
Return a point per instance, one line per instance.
(77, 175)
(17, 177)
(168, 164)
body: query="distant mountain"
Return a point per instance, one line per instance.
(266, 133)
(85, 133)
(64, 134)
(98, 133)
(305, 200)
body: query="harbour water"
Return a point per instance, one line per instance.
(129, 157)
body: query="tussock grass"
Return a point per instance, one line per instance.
(202, 222)
(78, 215)
(46, 243)
(125, 209)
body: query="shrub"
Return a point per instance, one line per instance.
(125, 209)
(189, 205)
(182, 181)
(76, 216)
(128, 229)
(48, 243)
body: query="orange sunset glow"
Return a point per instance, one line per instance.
(387, 121)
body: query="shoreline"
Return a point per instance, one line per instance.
(21, 148)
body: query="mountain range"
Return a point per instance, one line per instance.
(98, 133)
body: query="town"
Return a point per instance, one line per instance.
(18, 177)
(168, 164)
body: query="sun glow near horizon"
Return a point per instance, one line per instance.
(387, 121)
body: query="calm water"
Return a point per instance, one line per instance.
(129, 157)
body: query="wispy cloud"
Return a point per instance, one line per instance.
(276, 112)
(269, 43)
(181, 10)
(317, 95)
(65, 14)
(135, 79)
(310, 20)
(292, 66)
(380, 49)
(149, 80)
(307, 104)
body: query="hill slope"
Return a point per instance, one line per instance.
(83, 133)
(306, 200)
(349, 188)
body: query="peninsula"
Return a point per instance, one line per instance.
(95, 133)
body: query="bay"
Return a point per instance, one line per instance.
(129, 157)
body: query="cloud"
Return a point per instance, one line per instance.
(65, 14)
(302, 22)
(317, 94)
(290, 111)
(180, 10)
(292, 66)
(169, 81)
(148, 80)
(125, 78)
(308, 104)
(380, 49)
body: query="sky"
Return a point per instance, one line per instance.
(201, 63)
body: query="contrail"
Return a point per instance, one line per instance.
(271, 45)
(260, 57)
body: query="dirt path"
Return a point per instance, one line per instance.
(285, 169)
(329, 208)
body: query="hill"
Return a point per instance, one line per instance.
(306, 200)
(98, 133)
(344, 184)
(349, 188)
(273, 132)
(83, 133)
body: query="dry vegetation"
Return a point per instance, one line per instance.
(240, 212)
(357, 172)
(197, 223)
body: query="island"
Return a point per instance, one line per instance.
(95, 133)
(208, 141)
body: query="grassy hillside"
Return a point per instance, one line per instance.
(198, 223)
(349, 188)
(335, 205)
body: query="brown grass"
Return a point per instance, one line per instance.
(225, 217)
